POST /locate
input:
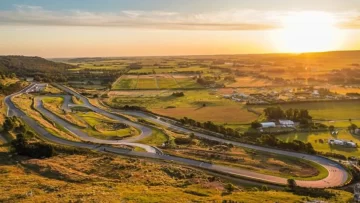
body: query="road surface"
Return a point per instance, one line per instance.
(38, 105)
(337, 174)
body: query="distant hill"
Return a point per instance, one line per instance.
(24, 66)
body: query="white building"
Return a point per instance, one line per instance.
(268, 125)
(287, 123)
(342, 143)
(29, 79)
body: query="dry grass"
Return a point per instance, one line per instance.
(266, 163)
(217, 114)
(24, 102)
(53, 104)
(249, 82)
(53, 90)
(101, 178)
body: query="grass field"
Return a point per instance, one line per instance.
(217, 114)
(99, 127)
(99, 66)
(146, 83)
(337, 110)
(125, 83)
(157, 138)
(53, 104)
(104, 178)
(167, 83)
(52, 90)
(216, 109)
(151, 70)
(24, 102)
(261, 162)
(314, 138)
(187, 83)
(192, 68)
(249, 82)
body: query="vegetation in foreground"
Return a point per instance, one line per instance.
(83, 176)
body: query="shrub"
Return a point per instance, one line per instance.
(34, 150)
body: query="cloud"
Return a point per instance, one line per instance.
(245, 19)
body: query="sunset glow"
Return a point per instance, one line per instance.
(308, 32)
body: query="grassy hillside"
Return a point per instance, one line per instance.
(32, 66)
(106, 178)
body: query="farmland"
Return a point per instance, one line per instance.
(200, 105)
(155, 81)
(337, 110)
(314, 139)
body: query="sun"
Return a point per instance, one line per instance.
(307, 32)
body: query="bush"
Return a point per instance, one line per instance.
(255, 125)
(34, 150)
(182, 141)
(229, 188)
(178, 94)
(313, 192)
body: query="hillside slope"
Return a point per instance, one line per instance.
(24, 66)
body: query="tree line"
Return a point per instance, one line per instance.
(276, 113)
(208, 125)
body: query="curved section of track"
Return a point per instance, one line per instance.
(337, 174)
(145, 131)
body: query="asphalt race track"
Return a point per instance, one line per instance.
(337, 174)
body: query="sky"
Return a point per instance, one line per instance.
(89, 28)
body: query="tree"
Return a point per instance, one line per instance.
(331, 128)
(229, 188)
(8, 124)
(274, 113)
(255, 125)
(291, 183)
(289, 114)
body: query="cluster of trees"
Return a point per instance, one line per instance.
(134, 108)
(208, 125)
(212, 83)
(296, 145)
(311, 192)
(135, 66)
(276, 113)
(34, 150)
(182, 140)
(9, 124)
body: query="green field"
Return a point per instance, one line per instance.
(96, 129)
(336, 110)
(192, 68)
(167, 83)
(125, 83)
(98, 66)
(146, 83)
(216, 109)
(314, 138)
(187, 83)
